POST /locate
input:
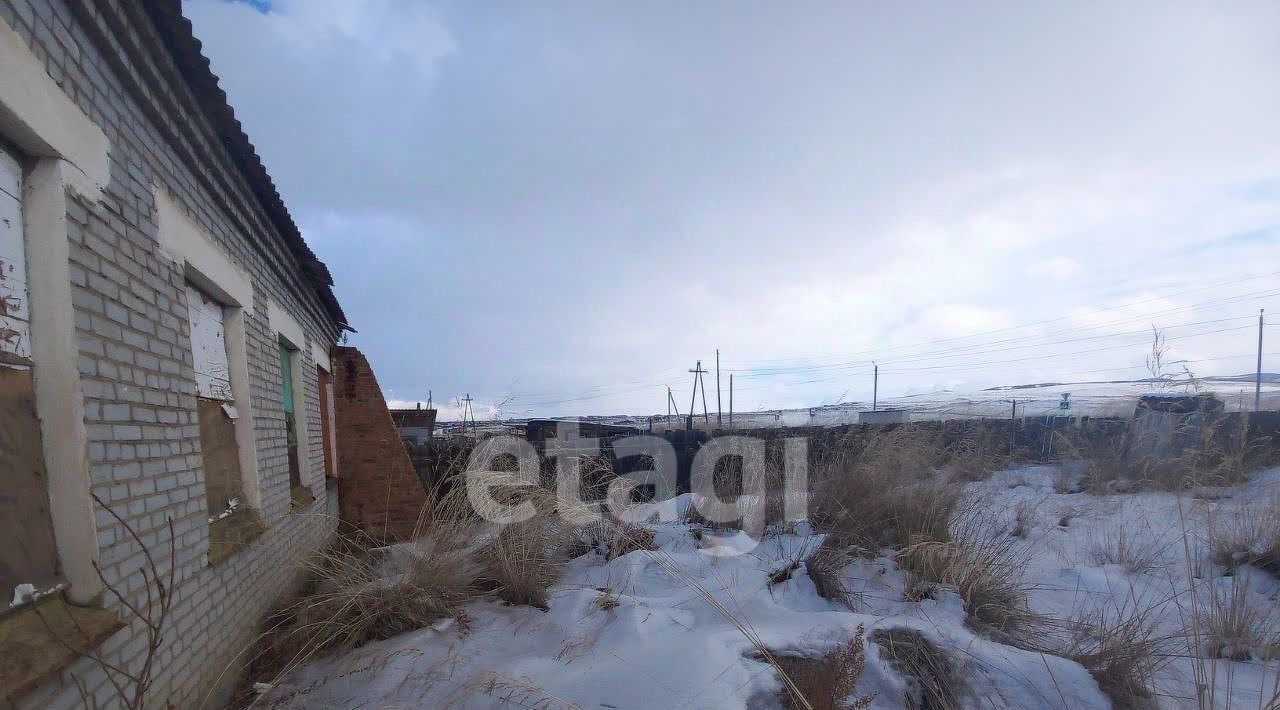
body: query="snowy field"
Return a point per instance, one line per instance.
(641, 631)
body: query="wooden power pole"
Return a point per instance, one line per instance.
(719, 413)
(1257, 383)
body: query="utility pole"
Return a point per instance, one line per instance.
(693, 396)
(705, 416)
(466, 412)
(719, 413)
(730, 400)
(875, 387)
(1257, 383)
(1013, 424)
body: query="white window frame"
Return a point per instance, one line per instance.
(211, 271)
(67, 153)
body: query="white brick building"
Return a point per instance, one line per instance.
(164, 345)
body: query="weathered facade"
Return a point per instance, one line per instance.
(164, 346)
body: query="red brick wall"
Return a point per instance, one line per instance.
(379, 492)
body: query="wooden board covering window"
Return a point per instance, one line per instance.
(221, 455)
(28, 555)
(208, 346)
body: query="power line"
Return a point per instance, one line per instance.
(936, 341)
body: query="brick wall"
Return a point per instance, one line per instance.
(379, 492)
(135, 353)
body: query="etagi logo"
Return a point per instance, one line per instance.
(768, 494)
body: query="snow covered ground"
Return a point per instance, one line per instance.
(627, 633)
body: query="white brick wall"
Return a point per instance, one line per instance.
(136, 364)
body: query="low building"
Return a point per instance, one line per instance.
(416, 425)
(165, 339)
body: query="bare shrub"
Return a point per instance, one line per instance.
(932, 672)
(1122, 649)
(825, 567)
(129, 688)
(826, 683)
(1137, 551)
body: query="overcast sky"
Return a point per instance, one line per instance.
(560, 206)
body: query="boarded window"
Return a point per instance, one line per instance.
(221, 455)
(28, 555)
(219, 449)
(325, 386)
(209, 346)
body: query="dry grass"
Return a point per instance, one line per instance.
(1218, 452)
(936, 682)
(1122, 650)
(825, 567)
(1024, 514)
(358, 592)
(888, 493)
(1138, 551)
(1247, 534)
(1235, 627)
(979, 450)
(985, 570)
(523, 560)
(610, 539)
(826, 683)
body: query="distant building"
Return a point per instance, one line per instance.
(416, 425)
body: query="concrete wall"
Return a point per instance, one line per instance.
(134, 353)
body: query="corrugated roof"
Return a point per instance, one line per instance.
(187, 52)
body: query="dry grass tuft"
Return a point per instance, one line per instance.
(933, 673)
(1247, 534)
(1137, 551)
(523, 560)
(357, 593)
(825, 567)
(610, 539)
(1024, 514)
(826, 683)
(886, 492)
(1234, 627)
(1122, 650)
(980, 450)
(985, 570)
